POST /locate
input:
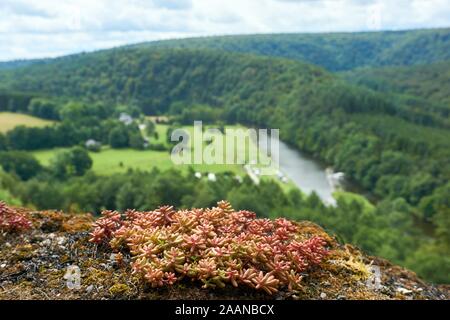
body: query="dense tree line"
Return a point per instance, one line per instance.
(29, 104)
(73, 162)
(79, 122)
(15, 101)
(22, 164)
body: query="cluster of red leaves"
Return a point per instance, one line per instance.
(216, 246)
(11, 220)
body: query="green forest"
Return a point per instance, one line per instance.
(333, 51)
(383, 119)
(430, 83)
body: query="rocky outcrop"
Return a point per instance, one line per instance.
(55, 259)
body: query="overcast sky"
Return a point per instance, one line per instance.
(48, 28)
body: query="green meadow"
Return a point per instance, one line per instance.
(110, 161)
(10, 120)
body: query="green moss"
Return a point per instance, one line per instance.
(119, 289)
(23, 252)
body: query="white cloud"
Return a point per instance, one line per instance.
(32, 28)
(173, 4)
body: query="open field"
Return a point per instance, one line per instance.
(111, 161)
(9, 121)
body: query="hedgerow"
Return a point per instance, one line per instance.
(218, 246)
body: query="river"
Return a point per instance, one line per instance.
(307, 174)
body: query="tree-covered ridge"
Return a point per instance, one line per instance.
(333, 51)
(430, 82)
(155, 79)
(4, 65)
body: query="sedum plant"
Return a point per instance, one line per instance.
(11, 220)
(217, 246)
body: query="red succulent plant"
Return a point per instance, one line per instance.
(11, 220)
(217, 246)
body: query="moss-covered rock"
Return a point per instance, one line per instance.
(34, 265)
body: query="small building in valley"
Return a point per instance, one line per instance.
(125, 118)
(93, 145)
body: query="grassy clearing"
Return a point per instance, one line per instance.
(242, 151)
(110, 161)
(161, 130)
(9, 121)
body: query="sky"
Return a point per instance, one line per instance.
(50, 28)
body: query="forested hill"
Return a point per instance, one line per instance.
(334, 51)
(154, 79)
(5, 65)
(157, 79)
(431, 82)
(347, 126)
